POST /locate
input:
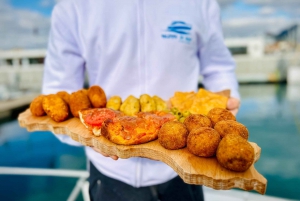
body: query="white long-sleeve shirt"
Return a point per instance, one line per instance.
(131, 47)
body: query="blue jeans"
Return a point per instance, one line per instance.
(103, 188)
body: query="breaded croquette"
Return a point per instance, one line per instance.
(36, 106)
(55, 107)
(78, 101)
(64, 95)
(97, 96)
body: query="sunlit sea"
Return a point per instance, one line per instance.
(270, 111)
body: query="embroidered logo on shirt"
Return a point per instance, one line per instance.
(178, 30)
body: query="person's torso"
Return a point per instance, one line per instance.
(139, 46)
(151, 46)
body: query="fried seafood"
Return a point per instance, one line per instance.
(225, 127)
(197, 120)
(235, 153)
(219, 114)
(64, 95)
(203, 141)
(55, 107)
(97, 96)
(173, 135)
(114, 102)
(78, 101)
(36, 106)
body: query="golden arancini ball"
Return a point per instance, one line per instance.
(219, 114)
(173, 135)
(203, 141)
(225, 127)
(235, 153)
(197, 120)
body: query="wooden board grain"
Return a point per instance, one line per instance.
(192, 169)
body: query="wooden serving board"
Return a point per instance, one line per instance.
(192, 169)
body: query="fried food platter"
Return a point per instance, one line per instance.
(192, 169)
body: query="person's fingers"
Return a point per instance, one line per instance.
(233, 105)
(106, 155)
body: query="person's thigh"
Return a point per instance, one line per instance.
(103, 188)
(176, 189)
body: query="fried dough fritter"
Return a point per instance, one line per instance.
(225, 127)
(219, 114)
(173, 135)
(114, 103)
(130, 106)
(235, 153)
(64, 95)
(147, 103)
(161, 105)
(97, 96)
(55, 107)
(203, 141)
(78, 101)
(36, 106)
(196, 120)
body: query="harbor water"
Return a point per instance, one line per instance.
(271, 113)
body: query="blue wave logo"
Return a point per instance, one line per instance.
(180, 27)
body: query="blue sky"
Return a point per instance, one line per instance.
(26, 23)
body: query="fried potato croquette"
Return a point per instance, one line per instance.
(97, 96)
(130, 106)
(36, 106)
(203, 141)
(161, 105)
(114, 102)
(225, 127)
(235, 153)
(219, 114)
(78, 101)
(55, 107)
(196, 120)
(64, 95)
(147, 103)
(173, 135)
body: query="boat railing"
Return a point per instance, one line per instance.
(81, 184)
